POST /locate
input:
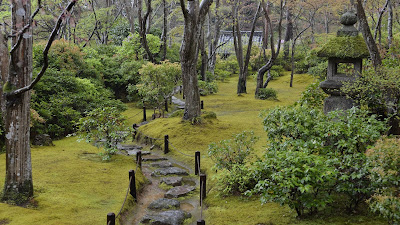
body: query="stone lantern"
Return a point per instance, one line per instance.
(345, 53)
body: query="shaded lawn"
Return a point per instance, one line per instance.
(71, 185)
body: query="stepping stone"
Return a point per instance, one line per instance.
(170, 217)
(135, 151)
(153, 158)
(179, 191)
(178, 102)
(173, 181)
(128, 147)
(169, 171)
(164, 203)
(163, 164)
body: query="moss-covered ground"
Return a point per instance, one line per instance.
(72, 186)
(235, 114)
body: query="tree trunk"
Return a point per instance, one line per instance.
(237, 42)
(390, 24)
(212, 58)
(194, 18)
(18, 185)
(143, 28)
(203, 54)
(288, 33)
(368, 38)
(130, 8)
(165, 30)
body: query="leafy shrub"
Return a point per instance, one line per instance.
(333, 144)
(230, 64)
(266, 93)
(103, 127)
(301, 180)
(232, 155)
(384, 164)
(221, 74)
(228, 153)
(320, 70)
(207, 88)
(313, 96)
(208, 115)
(131, 46)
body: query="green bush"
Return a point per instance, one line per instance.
(207, 88)
(230, 64)
(313, 96)
(384, 164)
(319, 70)
(266, 93)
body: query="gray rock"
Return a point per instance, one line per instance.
(164, 203)
(162, 164)
(135, 151)
(173, 181)
(179, 191)
(170, 217)
(42, 140)
(169, 171)
(178, 102)
(153, 158)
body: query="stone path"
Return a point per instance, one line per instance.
(169, 198)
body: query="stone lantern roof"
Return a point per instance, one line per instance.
(348, 44)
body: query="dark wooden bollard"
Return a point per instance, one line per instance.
(202, 105)
(166, 105)
(139, 159)
(180, 89)
(110, 219)
(132, 184)
(201, 222)
(166, 142)
(183, 96)
(144, 113)
(196, 163)
(203, 184)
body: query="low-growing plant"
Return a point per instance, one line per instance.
(384, 164)
(105, 128)
(313, 96)
(207, 88)
(266, 93)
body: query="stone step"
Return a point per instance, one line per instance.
(179, 191)
(134, 152)
(129, 147)
(173, 181)
(169, 171)
(153, 158)
(170, 217)
(164, 204)
(162, 164)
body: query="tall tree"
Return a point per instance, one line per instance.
(16, 69)
(213, 38)
(143, 19)
(238, 44)
(368, 38)
(274, 53)
(289, 29)
(194, 16)
(390, 24)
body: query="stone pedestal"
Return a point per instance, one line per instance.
(332, 103)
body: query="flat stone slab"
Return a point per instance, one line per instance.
(153, 158)
(170, 217)
(178, 102)
(164, 203)
(173, 181)
(135, 151)
(162, 164)
(128, 147)
(169, 171)
(179, 191)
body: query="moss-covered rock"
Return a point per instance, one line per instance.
(344, 47)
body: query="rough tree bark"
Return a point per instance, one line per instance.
(16, 69)
(165, 31)
(212, 48)
(143, 27)
(368, 38)
(243, 62)
(390, 24)
(203, 54)
(274, 54)
(194, 16)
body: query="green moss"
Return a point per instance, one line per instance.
(345, 47)
(70, 187)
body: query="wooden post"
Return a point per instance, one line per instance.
(203, 184)
(139, 159)
(201, 222)
(202, 104)
(132, 184)
(166, 147)
(196, 163)
(166, 105)
(111, 219)
(180, 89)
(144, 113)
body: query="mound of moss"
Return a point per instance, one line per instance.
(344, 47)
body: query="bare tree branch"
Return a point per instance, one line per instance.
(45, 53)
